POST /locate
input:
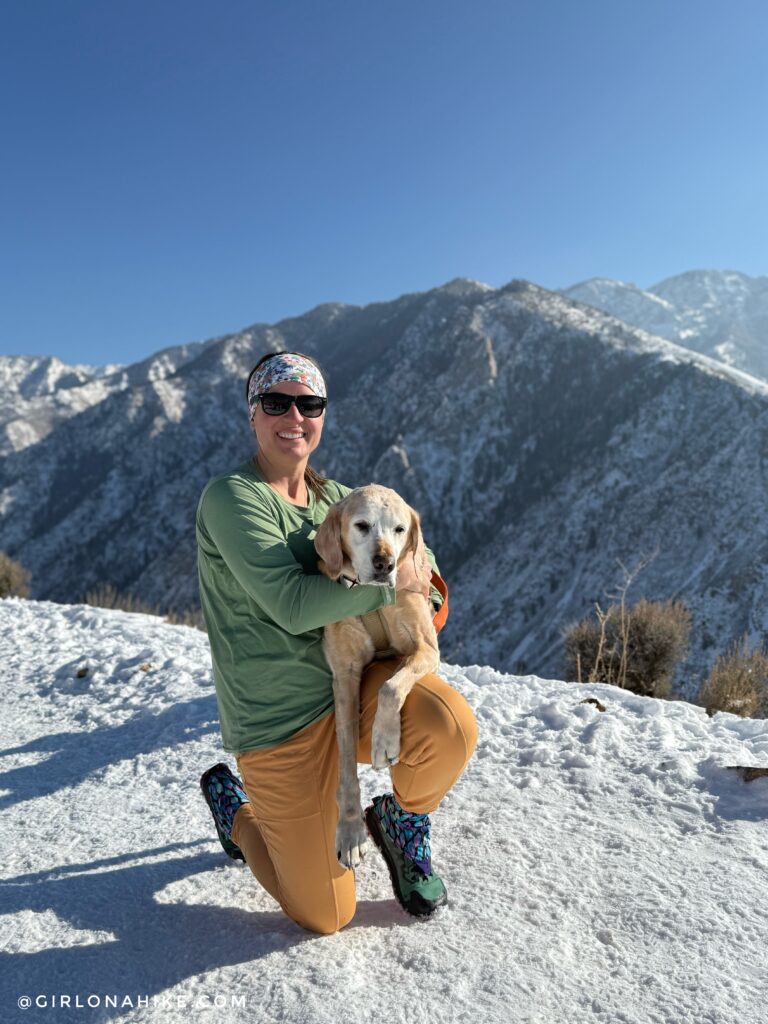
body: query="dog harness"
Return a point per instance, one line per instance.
(378, 631)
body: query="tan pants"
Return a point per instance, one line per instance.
(288, 830)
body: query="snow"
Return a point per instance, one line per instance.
(601, 866)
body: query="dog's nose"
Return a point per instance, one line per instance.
(383, 563)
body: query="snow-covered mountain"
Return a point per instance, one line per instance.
(601, 866)
(36, 392)
(723, 314)
(39, 392)
(542, 440)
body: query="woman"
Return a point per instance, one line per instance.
(265, 606)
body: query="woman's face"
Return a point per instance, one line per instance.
(276, 435)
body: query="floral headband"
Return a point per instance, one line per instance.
(282, 367)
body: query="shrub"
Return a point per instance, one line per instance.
(189, 617)
(738, 682)
(106, 595)
(14, 578)
(636, 648)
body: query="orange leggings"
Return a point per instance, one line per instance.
(287, 831)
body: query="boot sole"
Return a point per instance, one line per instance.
(417, 906)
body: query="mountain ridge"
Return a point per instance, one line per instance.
(540, 438)
(721, 313)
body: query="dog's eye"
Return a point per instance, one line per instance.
(399, 529)
(363, 527)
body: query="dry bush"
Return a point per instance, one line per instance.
(14, 578)
(738, 682)
(106, 595)
(189, 617)
(636, 648)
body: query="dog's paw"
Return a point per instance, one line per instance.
(385, 739)
(351, 842)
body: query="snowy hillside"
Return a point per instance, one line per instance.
(37, 394)
(601, 866)
(721, 313)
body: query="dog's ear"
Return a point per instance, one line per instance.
(414, 543)
(328, 542)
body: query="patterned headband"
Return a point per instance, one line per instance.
(282, 367)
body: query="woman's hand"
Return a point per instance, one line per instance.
(414, 573)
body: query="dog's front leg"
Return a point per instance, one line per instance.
(346, 661)
(385, 734)
(351, 833)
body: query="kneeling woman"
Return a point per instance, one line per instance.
(265, 606)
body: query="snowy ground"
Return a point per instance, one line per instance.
(601, 866)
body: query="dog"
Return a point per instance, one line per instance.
(363, 540)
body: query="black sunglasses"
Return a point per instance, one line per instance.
(277, 404)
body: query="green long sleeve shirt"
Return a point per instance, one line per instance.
(265, 605)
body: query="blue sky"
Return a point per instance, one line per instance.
(178, 170)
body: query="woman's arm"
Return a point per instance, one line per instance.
(245, 535)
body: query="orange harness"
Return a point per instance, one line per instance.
(441, 614)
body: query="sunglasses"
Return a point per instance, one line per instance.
(277, 404)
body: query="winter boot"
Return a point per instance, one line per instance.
(224, 793)
(403, 839)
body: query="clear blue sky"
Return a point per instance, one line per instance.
(176, 170)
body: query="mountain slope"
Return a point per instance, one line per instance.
(723, 314)
(39, 392)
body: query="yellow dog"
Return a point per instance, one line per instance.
(367, 538)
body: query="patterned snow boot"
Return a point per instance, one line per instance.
(403, 839)
(224, 793)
